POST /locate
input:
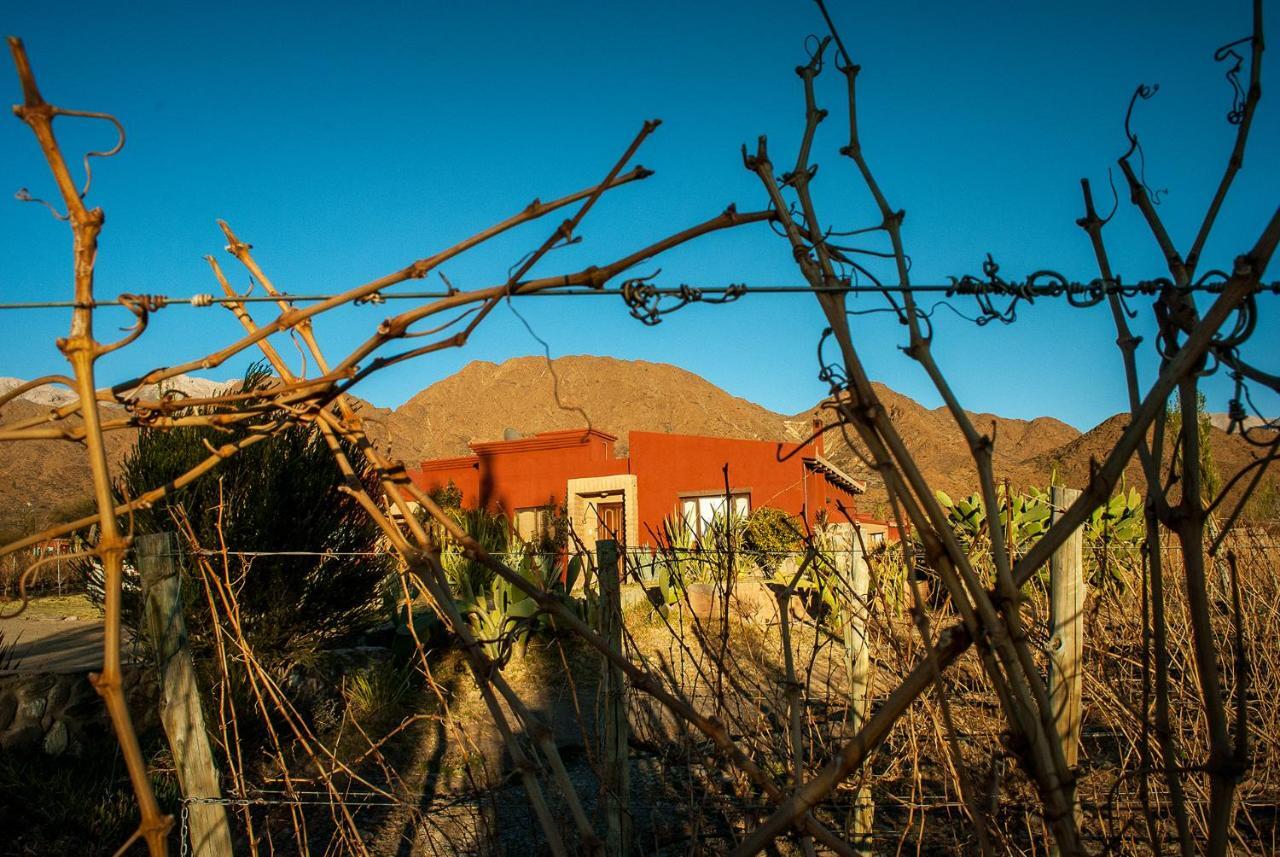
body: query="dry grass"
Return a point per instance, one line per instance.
(448, 767)
(53, 607)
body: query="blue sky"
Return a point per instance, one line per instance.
(344, 143)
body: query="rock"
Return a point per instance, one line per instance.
(59, 694)
(32, 708)
(702, 600)
(753, 600)
(56, 739)
(37, 685)
(632, 594)
(86, 708)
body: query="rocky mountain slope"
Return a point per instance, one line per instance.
(41, 480)
(529, 395)
(939, 448)
(1073, 461)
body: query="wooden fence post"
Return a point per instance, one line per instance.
(616, 761)
(1066, 620)
(794, 701)
(180, 710)
(857, 573)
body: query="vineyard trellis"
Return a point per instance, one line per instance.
(993, 619)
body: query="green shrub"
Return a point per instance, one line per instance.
(379, 694)
(282, 494)
(770, 534)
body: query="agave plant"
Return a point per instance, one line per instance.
(466, 577)
(723, 537)
(677, 566)
(491, 531)
(502, 615)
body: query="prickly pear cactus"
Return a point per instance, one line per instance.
(1113, 535)
(1024, 518)
(1113, 538)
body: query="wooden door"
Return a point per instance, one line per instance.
(610, 522)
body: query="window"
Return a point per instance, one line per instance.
(533, 523)
(700, 512)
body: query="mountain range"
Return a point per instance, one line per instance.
(42, 480)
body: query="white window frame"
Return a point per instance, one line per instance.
(699, 510)
(541, 517)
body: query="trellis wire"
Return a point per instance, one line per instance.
(1052, 289)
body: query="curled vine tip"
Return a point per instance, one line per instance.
(1226, 53)
(24, 195)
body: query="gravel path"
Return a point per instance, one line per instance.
(55, 645)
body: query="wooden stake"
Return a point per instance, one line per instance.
(794, 700)
(853, 565)
(180, 709)
(617, 772)
(1066, 619)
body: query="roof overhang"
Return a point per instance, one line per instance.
(835, 475)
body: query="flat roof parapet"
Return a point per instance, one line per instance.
(560, 439)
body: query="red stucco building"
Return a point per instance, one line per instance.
(628, 497)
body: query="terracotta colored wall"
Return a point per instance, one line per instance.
(463, 472)
(522, 479)
(511, 475)
(667, 466)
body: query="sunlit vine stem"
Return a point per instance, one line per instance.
(82, 350)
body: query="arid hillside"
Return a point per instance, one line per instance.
(526, 395)
(49, 480)
(939, 447)
(43, 480)
(1231, 454)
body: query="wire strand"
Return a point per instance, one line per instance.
(953, 289)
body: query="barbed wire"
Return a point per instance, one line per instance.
(638, 290)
